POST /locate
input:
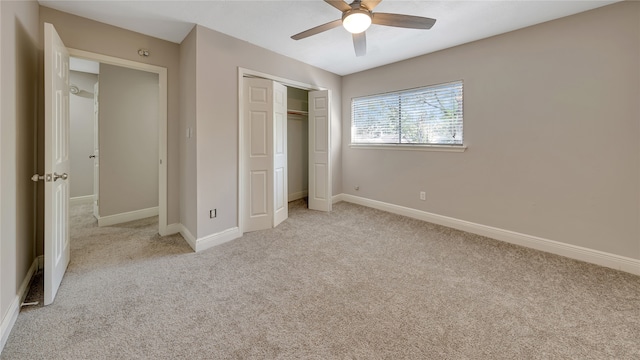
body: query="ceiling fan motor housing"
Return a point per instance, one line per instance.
(357, 20)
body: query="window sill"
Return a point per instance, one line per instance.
(409, 147)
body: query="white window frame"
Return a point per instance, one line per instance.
(409, 146)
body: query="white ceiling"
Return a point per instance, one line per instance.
(270, 23)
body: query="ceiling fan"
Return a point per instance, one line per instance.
(359, 15)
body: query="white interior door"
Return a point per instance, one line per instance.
(56, 164)
(280, 173)
(265, 173)
(319, 151)
(96, 154)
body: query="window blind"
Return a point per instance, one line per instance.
(430, 115)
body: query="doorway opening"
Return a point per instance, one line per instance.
(297, 143)
(142, 142)
(83, 131)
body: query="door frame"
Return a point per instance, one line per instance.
(242, 73)
(162, 121)
(2, 335)
(96, 147)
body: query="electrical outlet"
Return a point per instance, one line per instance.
(423, 195)
(213, 213)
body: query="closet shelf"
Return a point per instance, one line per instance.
(297, 112)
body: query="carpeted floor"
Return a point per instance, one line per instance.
(355, 283)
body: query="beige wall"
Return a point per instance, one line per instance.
(84, 34)
(128, 140)
(217, 62)
(81, 133)
(19, 42)
(552, 127)
(188, 171)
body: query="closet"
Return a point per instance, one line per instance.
(284, 151)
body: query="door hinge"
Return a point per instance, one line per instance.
(36, 178)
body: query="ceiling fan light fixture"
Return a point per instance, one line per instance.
(356, 20)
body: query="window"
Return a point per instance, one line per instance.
(430, 115)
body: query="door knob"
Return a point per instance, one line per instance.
(61, 176)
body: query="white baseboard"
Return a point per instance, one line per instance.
(337, 198)
(188, 236)
(298, 195)
(217, 239)
(11, 315)
(555, 247)
(126, 217)
(88, 199)
(210, 240)
(172, 229)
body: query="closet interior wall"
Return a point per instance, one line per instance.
(297, 143)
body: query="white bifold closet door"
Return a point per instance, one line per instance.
(265, 127)
(320, 197)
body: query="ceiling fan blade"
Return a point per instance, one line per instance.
(339, 4)
(403, 21)
(317, 29)
(370, 4)
(360, 44)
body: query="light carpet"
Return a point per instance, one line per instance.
(356, 283)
